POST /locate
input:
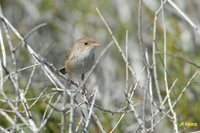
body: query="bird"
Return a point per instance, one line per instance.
(80, 57)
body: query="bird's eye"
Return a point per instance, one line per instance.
(86, 43)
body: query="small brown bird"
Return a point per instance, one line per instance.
(80, 58)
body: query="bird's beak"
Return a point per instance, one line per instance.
(96, 44)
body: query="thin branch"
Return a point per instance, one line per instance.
(184, 15)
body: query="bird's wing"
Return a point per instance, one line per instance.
(62, 69)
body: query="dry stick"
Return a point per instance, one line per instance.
(9, 119)
(154, 56)
(22, 69)
(124, 58)
(18, 91)
(145, 58)
(1, 42)
(1, 77)
(130, 103)
(71, 113)
(33, 30)
(13, 57)
(26, 109)
(30, 80)
(163, 102)
(6, 111)
(33, 128)
(144, 103)
(120, 119)
(31, 99)
(165, 74)
(63, 126)
(140, 31)
(79, 123)
(154, 51)
(1, 91)
(149, 84)
(2, 48)
(126, 53)
(30, 33)
(96, 119)
(136, 84)
(180, 95)
(167, 114)
(120, 50)
(126, 90)
(48, 73)
(184, 89)
(46, 69)
(91, 110)
(115, 40)
(181, 58)
(3, 130)
(31, 122)
(67, 108)
(63, 119)
(184, 15)
(120, 111)
(44, 121)
(43, 96)
(37, 98)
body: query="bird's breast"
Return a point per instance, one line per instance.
(81, 63)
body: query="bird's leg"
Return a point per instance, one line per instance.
(69, 77)
(84, 88)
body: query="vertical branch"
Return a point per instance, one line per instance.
(16, 77)
(154, 53)
(154, 61)
(9, 102)
(140, 28)
(2, 43)
(29, 81)
(1, 76)
(91, 109)
(165, 114)
(63, 126)
(115, 40)
(149, 86)
(165, 73)
(63, 120)
(126, 53)
(2, 48)
(130, 103)
(71, 113)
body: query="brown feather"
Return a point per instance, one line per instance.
(68, 53)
